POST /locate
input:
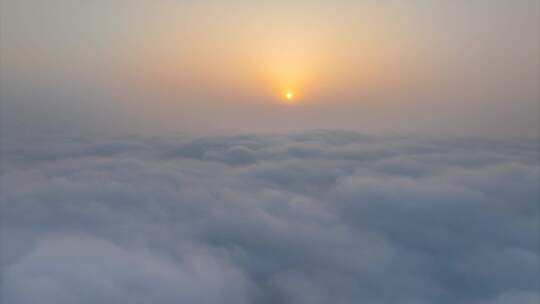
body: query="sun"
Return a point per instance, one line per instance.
(289, 95)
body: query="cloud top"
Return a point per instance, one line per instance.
(314, 217)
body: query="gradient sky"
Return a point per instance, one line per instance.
(148, 153)
(415, 66)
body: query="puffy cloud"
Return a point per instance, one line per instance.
(86, 270)
(315, 217)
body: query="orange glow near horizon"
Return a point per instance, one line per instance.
(297, 53)
(289, 95)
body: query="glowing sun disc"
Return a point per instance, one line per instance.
(289, 95)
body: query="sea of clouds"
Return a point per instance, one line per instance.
(313, 217)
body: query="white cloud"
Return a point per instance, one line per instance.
(314, 217)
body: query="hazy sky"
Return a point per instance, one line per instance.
(415, 66)
(402, 169)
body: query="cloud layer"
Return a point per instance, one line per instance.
(315, 217)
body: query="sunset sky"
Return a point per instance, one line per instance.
(415, 67)
(269, 152)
